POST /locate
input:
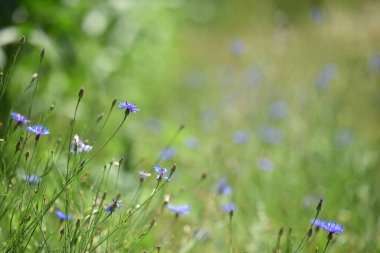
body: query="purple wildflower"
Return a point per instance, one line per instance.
(278, 110)
(111, 208)
(78, 146)
(38, 130)
(167, 154)
(161, 171)
(240, 137)
(229, 207)
(265, 164)
(63, 216)
(128, 106)
(316, 222)
(329, 226)
(20, 119)
(33, 179)
(223, 187)
(237, 47)
(180, 209)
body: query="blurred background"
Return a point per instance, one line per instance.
(282, 98)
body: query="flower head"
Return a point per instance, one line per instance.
(78, 146)
(167, 154)
(144, 175)
(38, 130)
(161, 171)
(180, 209)
(128, 107)
(229, 207)
(265, 164)
(111, 208)
(223, 187)
(63, 216)
(329, 226)
(240, 137)
(33, 179)
(20, 119)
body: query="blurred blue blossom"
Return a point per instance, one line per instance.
(38, 130)
(278, 110)
(160, 171)
(253, 77)
(20, 119)
(271, 135)
(343, 137)
(192, 142)
(237, 47)
(223, 187)
(167, 154)
(316, 222)
(329, 226)
(33, 178)
(115, 204)
(180, 209)
(374, 62)
(154, 125)
(229, 207)
(316, 15)
(328, 73)
(78, 146)
(63, 216)
(265, 164)
(128, 106)
(240, 137)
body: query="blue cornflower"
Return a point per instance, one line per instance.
(128, 106)
(237, 47)
(168, 153)
(33, 179)
(223, 187)
(161, 171)
(229, 207)
(192, 142)
(240, 137)
(111, 208)
(38, 130)
(329, 226)
(20, 119)
(265, 164)
(63, 216)
(180, 209)
(278, 110)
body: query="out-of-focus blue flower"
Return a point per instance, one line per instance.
(154, 125)
(33, 179)
(237, 47)
(271, 135)
(111, 208)
(317, 15)
(265, 164)
(180, 209)
(374, 62)
(343, 137)
(78, 146)
(329, 226)
(167, 154)
(20, 119)
(161, 171)
(229, 207)
(240, 137)
(223, 187)
(328, 73)
(253, 77)
(128, 106)
(192, 142)
(63, 216)
(278, 110)
(38, 130)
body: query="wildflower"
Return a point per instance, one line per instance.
(240, 137)
(63, 216)
(278, 110)
(20, 119)
(316, 15)
(111, 208)
(237, 47)
(223, 187)
(144, 175)
(33, 179)
(128, 107)
(78, 146)
(161, 171)
(316, 222)
(265, 164)
(167, 154)
(38, 130)
(180, 209)
(271, 135)
(192, 142)
(229, 207)
(331, 227)
(328, 73)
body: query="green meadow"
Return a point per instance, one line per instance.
(189, 126)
